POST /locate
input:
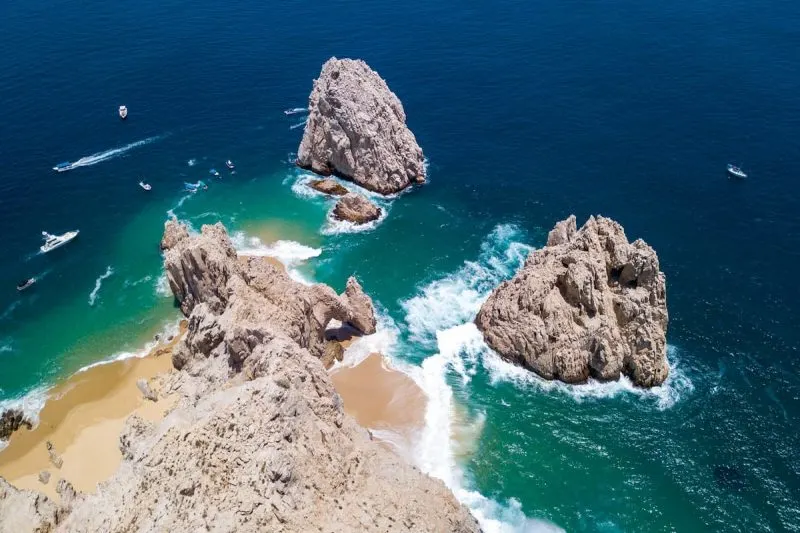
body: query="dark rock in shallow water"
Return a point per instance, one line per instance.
(328, 186)
(356, 209)
(11, 420)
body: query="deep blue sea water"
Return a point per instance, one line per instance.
(527, 112)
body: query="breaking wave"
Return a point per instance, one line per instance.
(99, 157)
(162, 286)
(292, 254)
(99, 283)
(169, 330)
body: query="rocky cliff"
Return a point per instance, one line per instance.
(589, 304)
(356, 130)
(259, 440)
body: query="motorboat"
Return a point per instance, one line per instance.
(51, 242)
(736, 172)
(194, 187)
(123, 112)
(145, 186)
(230, 164)
(63, 167)
(24, 284)
(214, 172)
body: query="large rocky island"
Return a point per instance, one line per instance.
(258, 440)
(589, 304)
(356, 130)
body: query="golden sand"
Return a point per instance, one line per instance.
(379, 397)
(83, 420)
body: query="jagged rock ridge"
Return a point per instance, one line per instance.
(356, 130)
(589, 304)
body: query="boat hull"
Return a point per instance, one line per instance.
(69, 237)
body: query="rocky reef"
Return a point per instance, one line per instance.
(356, 130)
(328, 186)
(11, 420)
(258, 440)
(588, 304)
(356, 209)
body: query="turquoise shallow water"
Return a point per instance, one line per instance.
(527, 113)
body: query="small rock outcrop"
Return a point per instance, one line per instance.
(259, 440)
(356, 209)
(589, 304)
(11, 420)
(55, 459)
(147, 392)
(362, 315)
(44, 477)
(328, 186)
(356, 130)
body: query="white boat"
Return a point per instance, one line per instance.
(230, 164)
(22, 285)
(736, 172)
(145, 186)
(123, 112)
(51, 242)
(63, 167)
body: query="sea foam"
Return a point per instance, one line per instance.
(98, 283)
(99, 157)
(292, 254)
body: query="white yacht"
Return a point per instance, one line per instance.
(123, 112)
(736, 172)
(145, 186)
(51, 242)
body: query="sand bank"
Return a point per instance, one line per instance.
(380, 397)
(83, 419)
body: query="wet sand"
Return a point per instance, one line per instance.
(381, 398)
(83, 419)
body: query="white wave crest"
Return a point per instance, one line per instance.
(162, 286)
(295, 111)
(292, 254)
(171, 211)
(169, 330)
(456, 298)
(99, 157)
(333, 226)
(99, 283)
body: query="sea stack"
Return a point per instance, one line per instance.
(588, 304)
(356, 130)
(258, 439)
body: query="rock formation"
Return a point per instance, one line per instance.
(147, 392)
(26, 510)
(328, 186)
(11, 420)
(356, 130)
(356, 209)
(258, 440)
(589, 304)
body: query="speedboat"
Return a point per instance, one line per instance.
(51, 242)
(123, 112)
(214, 172)
(63, 167)
(145, 186)
(24, 284)
(230, 164)
(736, 172)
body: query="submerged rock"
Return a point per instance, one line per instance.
(356, 209)
(11, 420)
(356, 130)
(589, 304)
(328, 186)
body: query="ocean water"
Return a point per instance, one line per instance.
(527, 112)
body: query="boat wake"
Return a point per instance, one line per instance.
(295, 111)
(298, 125)
(111, 154)
(99, 283)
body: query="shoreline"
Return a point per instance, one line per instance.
(82, 418)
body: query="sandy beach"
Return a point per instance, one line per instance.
(83, 419)
(381, 398)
